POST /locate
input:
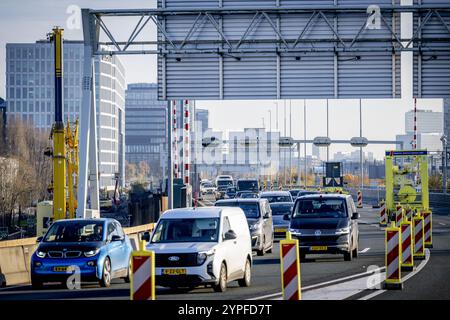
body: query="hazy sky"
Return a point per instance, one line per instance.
(30, 20)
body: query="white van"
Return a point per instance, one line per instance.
(202, 246)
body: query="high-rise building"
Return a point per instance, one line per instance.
(202, 119)
(30, 97)
(146, 127)
(427, 121)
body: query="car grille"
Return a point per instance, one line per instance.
(61, 254)
(322, 240)
(184, 260)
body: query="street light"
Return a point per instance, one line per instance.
(444, 163)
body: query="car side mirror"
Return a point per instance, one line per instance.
(116, 238)
(230, 235)
(287, 217)
(145, 236)
(355, 216)
(39, 239)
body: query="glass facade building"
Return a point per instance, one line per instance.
(30, 97)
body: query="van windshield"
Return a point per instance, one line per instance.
(326, 208)
(187, 230)
(247, 185)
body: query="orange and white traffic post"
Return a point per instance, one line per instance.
(142, 286)
(419, 245)
(407, 263)
(393, 258)
(428, 228)
(398, 215)
(383, 215)
(359, 200)
(290, 268)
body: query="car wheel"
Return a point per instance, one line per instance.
(356, 250)
(106, 274)
(223, 280)
(246, 280)
(127, 278)
(263, 248)
(348, 255)
(37, 285)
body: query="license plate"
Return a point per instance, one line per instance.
(319, 248)
(280, 230)
(174, 272)
(63, 269)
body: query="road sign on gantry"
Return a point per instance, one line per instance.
(142, 286)
(290, 268)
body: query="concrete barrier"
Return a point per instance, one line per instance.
(15, 255)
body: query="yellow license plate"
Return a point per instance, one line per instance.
(63, 269)
(319, 248)
(280, 230)
(174, 272)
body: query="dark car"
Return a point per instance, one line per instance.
(248, 185)
(96, 249)
(276, 196)
(326, 223)
(295, 193)
(281, 210)
(246, 195)
(231, 193)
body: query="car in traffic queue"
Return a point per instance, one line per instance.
(201, 246)
(247, 195)
(95, 249)
(276, 196)
(280, 216)
(231, 193)
(222, 186)
(326, 223)
(251, 185)
(259, 219)
(207, 188)
(295, 193)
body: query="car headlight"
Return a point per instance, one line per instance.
(202, 256)
(91, 253)
(295, 231)
(40, 254)
(255, 226)
(342, 231)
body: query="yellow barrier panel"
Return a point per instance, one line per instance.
(142, 280)
(393, 257)
(407, 262)
(419, 247)
(290, 268)
(428, 228)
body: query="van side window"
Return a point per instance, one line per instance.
(226, 226)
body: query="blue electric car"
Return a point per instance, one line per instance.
(95, 249)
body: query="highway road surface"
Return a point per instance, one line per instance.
(322, 277)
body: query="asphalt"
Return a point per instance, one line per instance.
(430, 283)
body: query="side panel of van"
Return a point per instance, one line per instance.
(239, 224)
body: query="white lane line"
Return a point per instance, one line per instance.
(364, 250)
(408, 276)
(442, 224)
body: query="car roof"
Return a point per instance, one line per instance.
(240, 200)
(326, 195)
(276, 204)
(190, 213)
(275, 193)
(87, 220)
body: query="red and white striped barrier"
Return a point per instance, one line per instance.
(176, 167)
(407, 249)
(393, 258)
(398, 215)
(290, 268)
(359, 200)
(428, 228)
(186, 141)
(383, 215)
(143, 275)
(408, 213)
(419, 246)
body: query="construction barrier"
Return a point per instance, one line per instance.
(383, 215)
(428, 228)
(359, 199)
(290, 268)
(393, 258)
(408, 213)
(407, 249)
(419, 246)
(398, 215)
(143, 275)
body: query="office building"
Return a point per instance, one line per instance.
(202, 120)
(30, 97)
(427, 121)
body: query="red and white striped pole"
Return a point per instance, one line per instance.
(359, 198)
(186, 142)
(393, 258)
(175, 140)
(407, 248)
(428, 228)
(290, 268)
(398, 215)
(383, 215)
(419, 246)
(415, 125)
(142, 276)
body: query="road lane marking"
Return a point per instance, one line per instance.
(364, 250)
(408, 276)
(442, 224)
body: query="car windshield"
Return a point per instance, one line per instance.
(248, 195)
(276, 198)
(207, 185)
(281, 209)
(186, 230)
(251, 185)
(250, 209)
(223, 183)
(231, 189)
(82, 231)
(327, 208)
